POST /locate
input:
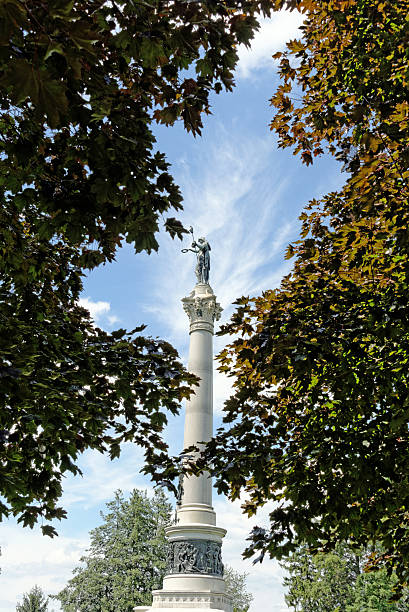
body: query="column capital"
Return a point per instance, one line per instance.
(201, 308)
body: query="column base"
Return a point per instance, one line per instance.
(195, 530)
(199, 600)
(173, 601)
(188, 514)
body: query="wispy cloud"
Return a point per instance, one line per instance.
(271, 37)
(99, 311)
(238, 213)
(103, 476)
(242, 216)
(112, 319)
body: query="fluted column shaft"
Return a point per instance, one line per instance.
(199, 413)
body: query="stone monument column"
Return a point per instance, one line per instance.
(202, 310)
(194, 578)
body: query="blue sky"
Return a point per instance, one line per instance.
(244, 195)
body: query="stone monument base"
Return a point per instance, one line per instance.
(172, 601)
(181, 600)
(188, 593)
(195, 547)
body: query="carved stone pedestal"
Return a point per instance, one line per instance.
(195, 570)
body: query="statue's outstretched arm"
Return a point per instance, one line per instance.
(193, 250)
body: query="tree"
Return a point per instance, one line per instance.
(237, 588)
(335, 582)
(126, 558)
(81, 84)
(33, 601)
(321, 582)
(372, 593)
(320, 364)
(68, 386)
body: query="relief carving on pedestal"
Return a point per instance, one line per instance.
(195, 557)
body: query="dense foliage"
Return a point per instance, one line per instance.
(335, 582)
(319, 418)
(322, 582)
(126, 558)
(33, 601)
(67, 385)
(81, 82)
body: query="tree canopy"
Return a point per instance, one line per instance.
(321, 582)
(81, 84)
(335, 582)
(318, 422)
(33, 601)
(126, 558)
(82, 81)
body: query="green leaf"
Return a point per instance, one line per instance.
(48, 530)
(60, 8)
(145, 241)
(53, 47)
(83, 37)
(175, 228)
(22, 79)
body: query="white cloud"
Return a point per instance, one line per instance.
(99, 311)
(96, 309)
(271, 37)
(29, 558)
